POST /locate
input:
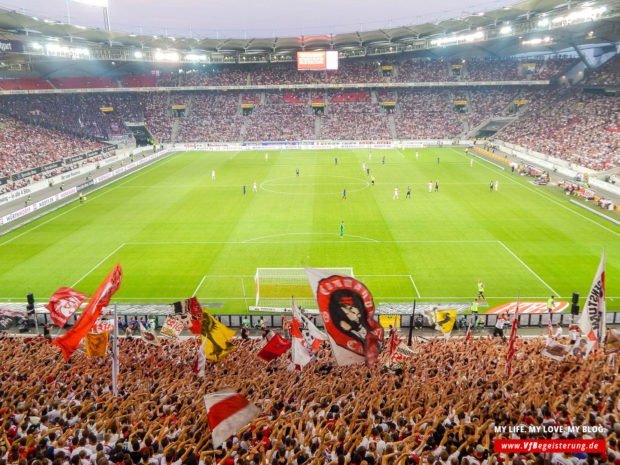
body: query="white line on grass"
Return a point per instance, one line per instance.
(254, 241)
(414, 286)
(308, 233)
(531, 271)
(131, 178)
(234, 155)
(98, 264)
(200, 284)
(537, 192)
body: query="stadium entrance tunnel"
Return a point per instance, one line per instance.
(314, 185)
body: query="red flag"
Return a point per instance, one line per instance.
(190, 312)
(69, 341)
(63, 304)
(276, 346)
(228, 412)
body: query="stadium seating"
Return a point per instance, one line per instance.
(25, 146)
(578, 127)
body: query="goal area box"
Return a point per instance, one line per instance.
(276, 286)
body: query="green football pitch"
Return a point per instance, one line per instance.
(177, 232)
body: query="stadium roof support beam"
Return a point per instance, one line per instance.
(581, 55)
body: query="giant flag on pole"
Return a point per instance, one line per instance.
(228, 412)
(69, 341)
(215, 338)
(348, 310)
(592, 321)
(63, 304)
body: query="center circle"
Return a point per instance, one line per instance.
(314, 185)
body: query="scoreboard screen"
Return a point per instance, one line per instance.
(318, 60)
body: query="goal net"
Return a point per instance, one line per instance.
(276, 286)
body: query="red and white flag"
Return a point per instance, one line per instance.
(70, 341)
(592, 321)
(468, 335)
(348, 312)
(512, 343)
(228, 412)
(276, 346)
(63, 304)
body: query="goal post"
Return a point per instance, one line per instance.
(276, 286)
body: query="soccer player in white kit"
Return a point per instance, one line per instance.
(430, 186)
(395, 194)
(212, 175)
(266, 156)
(254, 188)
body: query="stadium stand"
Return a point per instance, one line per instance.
(326, 414)
(606, 75)
(578, 127)
(25, 146)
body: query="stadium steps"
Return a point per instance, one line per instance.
(317, 127)
(175, 130)
(242, 130)
(392, 125)
(373, 96)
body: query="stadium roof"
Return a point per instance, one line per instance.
(22, 24)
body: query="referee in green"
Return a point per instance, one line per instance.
(341, 228)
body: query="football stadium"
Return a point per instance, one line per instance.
(397, 243)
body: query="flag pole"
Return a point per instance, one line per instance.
(115, 355)
(409, 341)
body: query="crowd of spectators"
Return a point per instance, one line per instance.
(606, 75)
(427, 114)
(444, 407)
(280, 121)
(355, 121)
(23, 146)
(581, 128)
(77, 113)
(212, 118)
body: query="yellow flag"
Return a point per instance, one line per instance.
(96, 344)
(215, 338)
(445, 321)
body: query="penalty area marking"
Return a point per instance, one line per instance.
(200, 284)
(528, 268)
(99, 264)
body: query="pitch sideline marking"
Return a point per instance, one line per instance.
(98, 264)
(131, 177)
(200, 284)
(530, 270)
(545, 197)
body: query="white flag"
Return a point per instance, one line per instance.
(592, 321)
